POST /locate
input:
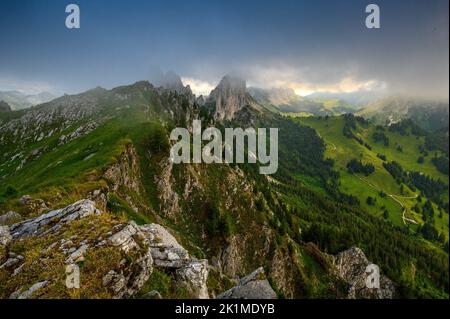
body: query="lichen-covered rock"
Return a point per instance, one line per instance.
(193, 276)
(30, 291)
(53, 220)
(165, 249)
(252, 286)
(351, 266)
(81, 233)
(126, 282)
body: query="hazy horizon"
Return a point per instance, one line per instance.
(307, 46)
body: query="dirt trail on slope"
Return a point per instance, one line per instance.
(395, 198)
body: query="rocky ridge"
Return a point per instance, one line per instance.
(149, 246)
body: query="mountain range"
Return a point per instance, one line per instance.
(86, 181)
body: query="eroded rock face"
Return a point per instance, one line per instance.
(167, 253)
(171, 81)
(125, 172)
(165, 249)
(169, 198)
(193, 277)
(253, 286)
(127, 282)
(229, 96)
(351, 267)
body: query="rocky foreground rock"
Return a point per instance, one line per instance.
(351, 266)
(252, 286)
(147, 247)
(81, 235)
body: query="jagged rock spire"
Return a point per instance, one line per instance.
(229, 96)
(170, 81)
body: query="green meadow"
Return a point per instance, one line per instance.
(380, 185)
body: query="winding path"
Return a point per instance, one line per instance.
(395, 198)
(392, 196)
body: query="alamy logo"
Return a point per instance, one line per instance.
(373, 19)
(73, 19)
(373, 277)
(233, 146)
(73, 276)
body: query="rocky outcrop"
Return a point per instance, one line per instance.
(53, 220)
(143, 247)
(29, 292)
(126, 282)
(125, 172)
(167, 253)
(229, 97)
(253, 286)
(80, 131)
(193, 277)
(351, 266)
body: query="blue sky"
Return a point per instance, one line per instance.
(307, 45)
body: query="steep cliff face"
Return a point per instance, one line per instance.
(229, 97)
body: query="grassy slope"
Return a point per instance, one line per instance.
(71, 170)
(342, 149)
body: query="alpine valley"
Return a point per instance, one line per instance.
(86, 180)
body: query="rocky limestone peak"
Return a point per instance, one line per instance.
(170, 81)
(279, 96)
(229, 96)
(4, 107)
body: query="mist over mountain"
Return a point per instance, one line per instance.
(169, 80)
(429, 114)
(358, 98)
(18, 100)
(287, 101)
(229, 97)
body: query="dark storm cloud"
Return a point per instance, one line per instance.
(307, 45)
